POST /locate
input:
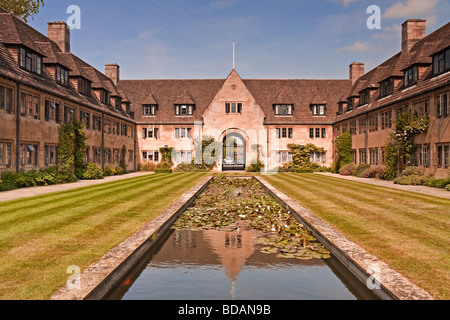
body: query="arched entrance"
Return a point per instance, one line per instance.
(234, 153)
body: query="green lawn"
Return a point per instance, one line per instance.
(41, 236)
(409, 231)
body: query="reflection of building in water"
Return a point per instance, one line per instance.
(233, 249)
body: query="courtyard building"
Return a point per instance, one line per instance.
(42, 84)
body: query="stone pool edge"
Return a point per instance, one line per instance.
(393, 285)
(100, 277)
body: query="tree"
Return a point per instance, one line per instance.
(24, 9)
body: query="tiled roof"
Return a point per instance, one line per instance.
(13, 31)
(302, 94)
(421, 53)
(167, 93)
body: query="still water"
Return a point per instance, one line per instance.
(221, 265)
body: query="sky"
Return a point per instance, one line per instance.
(275, 39)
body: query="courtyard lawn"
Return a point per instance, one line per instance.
(409, 231)
(41, 237)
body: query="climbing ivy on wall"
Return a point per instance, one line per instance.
(344, 150)
(400, 146)
(71, 151)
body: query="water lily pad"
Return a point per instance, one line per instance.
(269, 250)
(286, 256)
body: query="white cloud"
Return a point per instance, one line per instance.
(358, 46)
(423, 9)
(345, 3)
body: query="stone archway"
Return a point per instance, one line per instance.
(234, 152)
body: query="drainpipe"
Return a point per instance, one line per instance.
(18, 127)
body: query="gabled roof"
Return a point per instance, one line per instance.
(283, 98)
(149, 100)
(420, 54)
(14, 31)
(184, 98)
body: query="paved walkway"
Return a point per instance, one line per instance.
(442, 193)
(34, 191)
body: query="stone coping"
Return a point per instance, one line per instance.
(366, 267)
(99, 278)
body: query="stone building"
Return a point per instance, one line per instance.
(42, 84)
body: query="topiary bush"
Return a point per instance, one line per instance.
(348, 169)
(361, 169)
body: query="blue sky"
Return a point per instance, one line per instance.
(288, 39)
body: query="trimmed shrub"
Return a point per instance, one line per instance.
(92, 172)
(109, 171)
(147, 166)
(447, 187)
(190, 167)
(163, 170)
(361, 169)
(255, 167)
(304, 170)
(6, 186)
(374, 172)
(437, 183)
(414, 180)
(348, 169)
(413, 171)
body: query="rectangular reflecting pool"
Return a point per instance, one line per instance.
(237, 243)
(219, 265)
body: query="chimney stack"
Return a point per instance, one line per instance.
(356, 71)
(112, 71)
(413, 30)
(59, 32)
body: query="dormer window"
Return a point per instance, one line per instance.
(318, 109)
(350, 103)
(411, 76)
(30, 61)
(441, 62)
(104, 97)
(364, 97)
(386, 87)
(149, 109)
(118, 103)
(62, 76)
(184, 109)
(341, 108)
(283, 109)
(84, 86)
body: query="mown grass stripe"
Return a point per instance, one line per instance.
(370, 205)
(38, 266)
(75, 198)
(419, 252)
(73, 210)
